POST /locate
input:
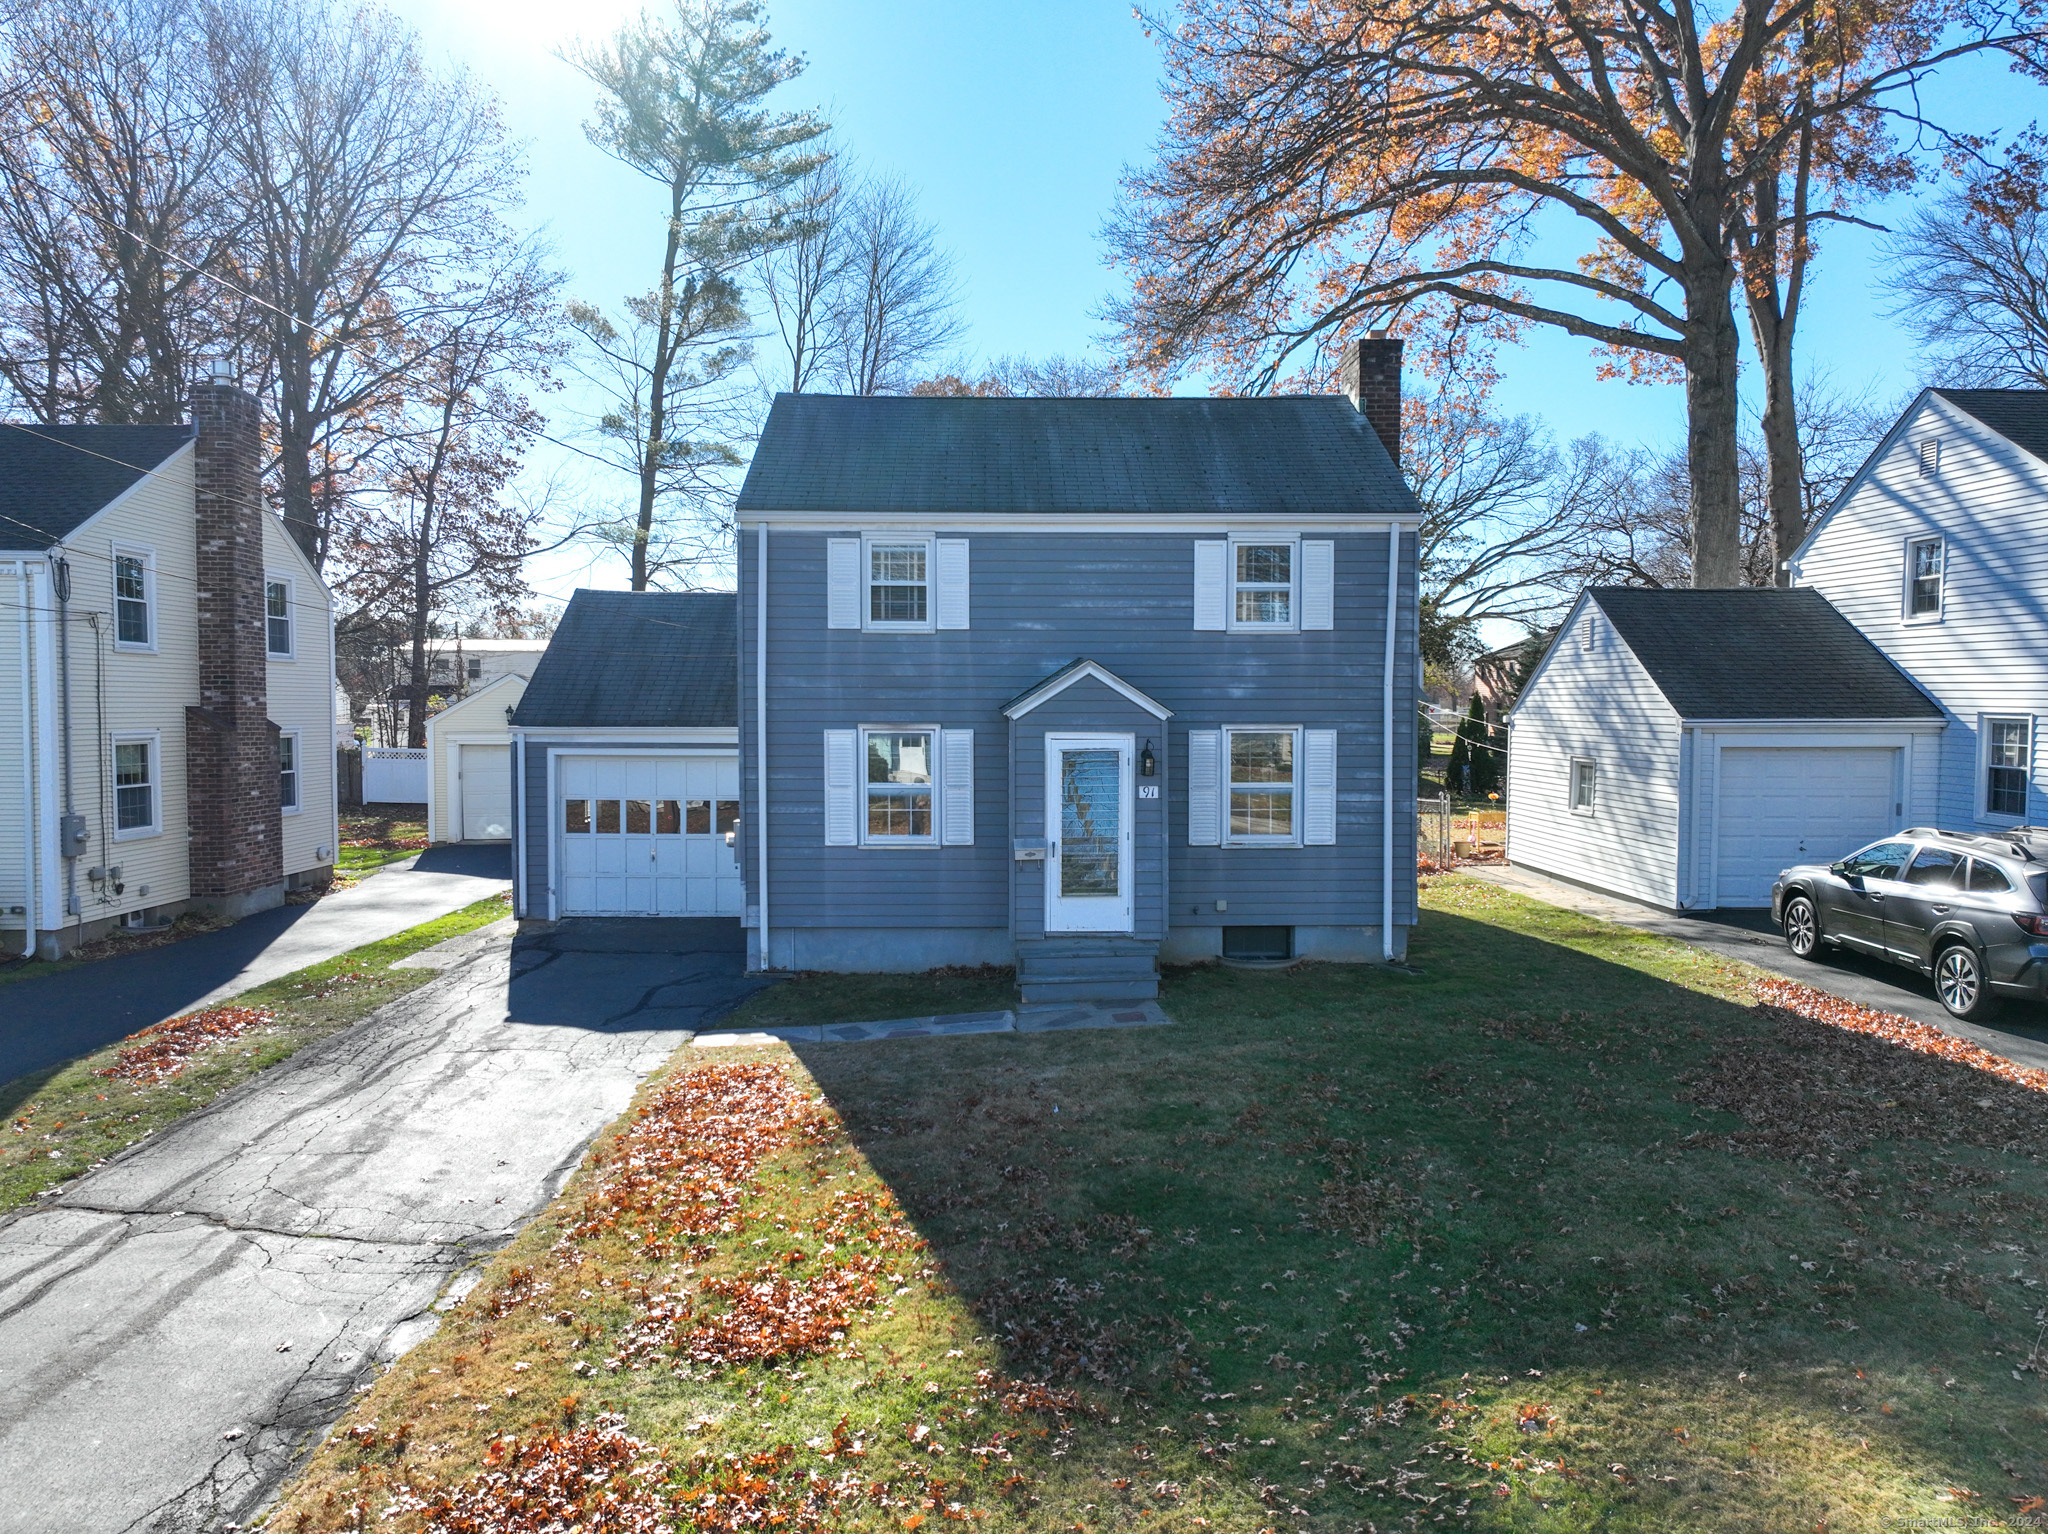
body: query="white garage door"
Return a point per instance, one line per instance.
(1778, 807)
(486, 793)
(645, 835)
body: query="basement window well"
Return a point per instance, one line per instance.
(1268, 943)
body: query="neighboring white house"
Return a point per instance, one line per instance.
(474, 663)
(1938, 552)
(469, 764)
(166, 680)
(1681, 747)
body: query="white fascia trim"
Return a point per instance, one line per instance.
(967, 523)
(1817, 728)
(1109, 679)
(556, 735)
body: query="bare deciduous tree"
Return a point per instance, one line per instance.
(1008, 377)
(1971, 276)
(896, 299)
(801, 280)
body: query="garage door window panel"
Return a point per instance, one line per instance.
(639, 817)
(576, 816)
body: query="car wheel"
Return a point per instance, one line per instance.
(1802, 927)
(1959, 982)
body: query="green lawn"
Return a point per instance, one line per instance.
(59, 1122)
(1558, 1233)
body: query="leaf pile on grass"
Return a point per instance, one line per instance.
(166, 1049)
(595, 1480)
(1904, 1032)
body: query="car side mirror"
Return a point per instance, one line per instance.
(1838, 868)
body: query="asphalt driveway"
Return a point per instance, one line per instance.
(2018, 1031)
(179, 1326)
(49, 1018)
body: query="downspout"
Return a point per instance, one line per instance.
(761, 739)
(28, 765)
(1387, 740)
(334, 772)
(60, 569)
(519, 822)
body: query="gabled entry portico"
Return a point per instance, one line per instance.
(1088, 825)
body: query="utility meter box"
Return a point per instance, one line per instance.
(72, 835)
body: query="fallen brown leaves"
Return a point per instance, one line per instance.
(1828, 1076)
(595, 1479)
(163, 1051)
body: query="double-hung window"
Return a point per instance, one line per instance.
(1585, 778)
(1264, 768)
(1262, 585)
(2008, 758)
(1925, 569)
(476, 668)
(899, 583)
(135, 786)
(897, 786)
(288, 772)
(277, 617)
(134, 600)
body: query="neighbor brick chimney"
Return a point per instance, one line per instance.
(237, 861)
(1371, 375)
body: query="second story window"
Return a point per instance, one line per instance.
(476, 668)
(1263, 585)
(277, 618)
(899, 585)
(1924, 571)
(134, 622)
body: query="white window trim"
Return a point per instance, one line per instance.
(930, 544)
(860, 782)
(1984, 810)
(298, 772)
(1225, 783)
(1906, 613)
(1571, 784)
(1231, 621)
(291, 615)
(147, 555)
(154, 740)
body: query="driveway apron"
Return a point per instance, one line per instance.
(180, 1326)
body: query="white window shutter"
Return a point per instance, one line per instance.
(952, 603)
(1319, 788)
(842, 583)
(1205, 795)
(1212, 585)
(1318, 583)
(956, 787)
(842, 788)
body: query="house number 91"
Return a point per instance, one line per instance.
(1148, 790)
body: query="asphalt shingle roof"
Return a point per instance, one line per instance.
(2018, 415)
(1759, 654)
(625, 658)
(54, 477)
(1300, 453)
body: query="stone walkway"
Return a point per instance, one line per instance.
(1040, 1019)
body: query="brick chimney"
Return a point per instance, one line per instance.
(1371, 375)
(237, 861)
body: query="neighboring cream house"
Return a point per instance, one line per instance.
(469, 764)
(166, 680)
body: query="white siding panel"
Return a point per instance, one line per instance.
(1600, 704)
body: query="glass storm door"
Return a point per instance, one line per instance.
(1088, 833)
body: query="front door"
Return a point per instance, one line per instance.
(1088, 833)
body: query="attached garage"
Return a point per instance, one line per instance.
(625, 762)
(1681, 747)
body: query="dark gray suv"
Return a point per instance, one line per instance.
(1970, 910)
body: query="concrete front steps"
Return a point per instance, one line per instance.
(1084, 968)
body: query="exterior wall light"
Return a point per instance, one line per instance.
(1148, 764)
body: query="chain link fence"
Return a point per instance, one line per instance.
(1449, 835)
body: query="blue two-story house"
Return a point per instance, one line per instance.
(1082, 685)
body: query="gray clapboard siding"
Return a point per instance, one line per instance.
(1601, 704)
(1989, 652)
(1126, 602)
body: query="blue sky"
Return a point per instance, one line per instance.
(1013, 123)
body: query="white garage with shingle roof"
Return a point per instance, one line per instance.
(1681, 747)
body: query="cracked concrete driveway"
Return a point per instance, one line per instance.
(178, 1327)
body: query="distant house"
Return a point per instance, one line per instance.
(1938, 552)
(1681, 747)
(1082, 685)
(167, 666)
(625, 760)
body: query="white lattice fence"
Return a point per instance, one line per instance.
(394, 775)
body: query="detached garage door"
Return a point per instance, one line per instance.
(486, 792)
(1780, 807)
(645, 835)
